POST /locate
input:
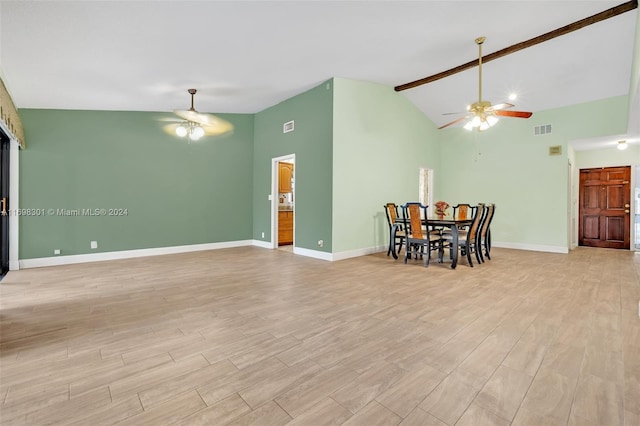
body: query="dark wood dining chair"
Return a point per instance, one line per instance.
(484, 237)
(391, 210)
(463, 211)
(468, 239)
(419, 235)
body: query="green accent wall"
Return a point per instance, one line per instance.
(380, 141)
(176, 193)
(311, 142)
(511, 167)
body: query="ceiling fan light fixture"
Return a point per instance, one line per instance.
(492, 120)
(181, 131)
(188, 128)
(622, 145)
(196, 132)
(195, 125)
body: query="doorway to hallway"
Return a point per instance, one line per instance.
(283, 170)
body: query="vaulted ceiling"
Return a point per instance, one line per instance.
(245, 56)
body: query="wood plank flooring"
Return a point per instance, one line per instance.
(249, 336)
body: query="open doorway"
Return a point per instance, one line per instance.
(283, 206)
(425, 185)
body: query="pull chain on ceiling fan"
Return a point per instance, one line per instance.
(482, 115)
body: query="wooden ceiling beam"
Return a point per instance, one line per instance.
(606, 14)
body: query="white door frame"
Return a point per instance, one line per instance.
(14, 175)
(572, 226)
(274, 198)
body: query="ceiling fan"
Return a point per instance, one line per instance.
(482, 114)
(195, 125)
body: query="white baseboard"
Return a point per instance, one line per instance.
(358, 252)
(263, 244)
(127, 254)
(531, 247)
(322, 255)
(332, 257)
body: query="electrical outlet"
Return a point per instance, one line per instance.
(94, 244)
(56, 251)
(320, 243)
(263, 235)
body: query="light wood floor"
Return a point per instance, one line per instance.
(254, 336)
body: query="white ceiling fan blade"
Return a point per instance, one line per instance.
(170, 120)
(222, 127)
(200, 118)
(193, 115)
(219, 129)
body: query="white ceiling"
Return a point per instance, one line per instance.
(244, 56)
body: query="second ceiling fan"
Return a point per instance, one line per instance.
(482, 115)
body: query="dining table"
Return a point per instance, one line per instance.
(436, 221)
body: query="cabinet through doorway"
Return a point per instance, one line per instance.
(286, 202)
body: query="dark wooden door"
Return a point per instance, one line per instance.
(4, 203)
(605, 197)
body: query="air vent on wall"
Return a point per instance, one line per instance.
(543, 129)
(287, 127)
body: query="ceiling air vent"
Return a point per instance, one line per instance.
(543, 129)
(287, 127)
